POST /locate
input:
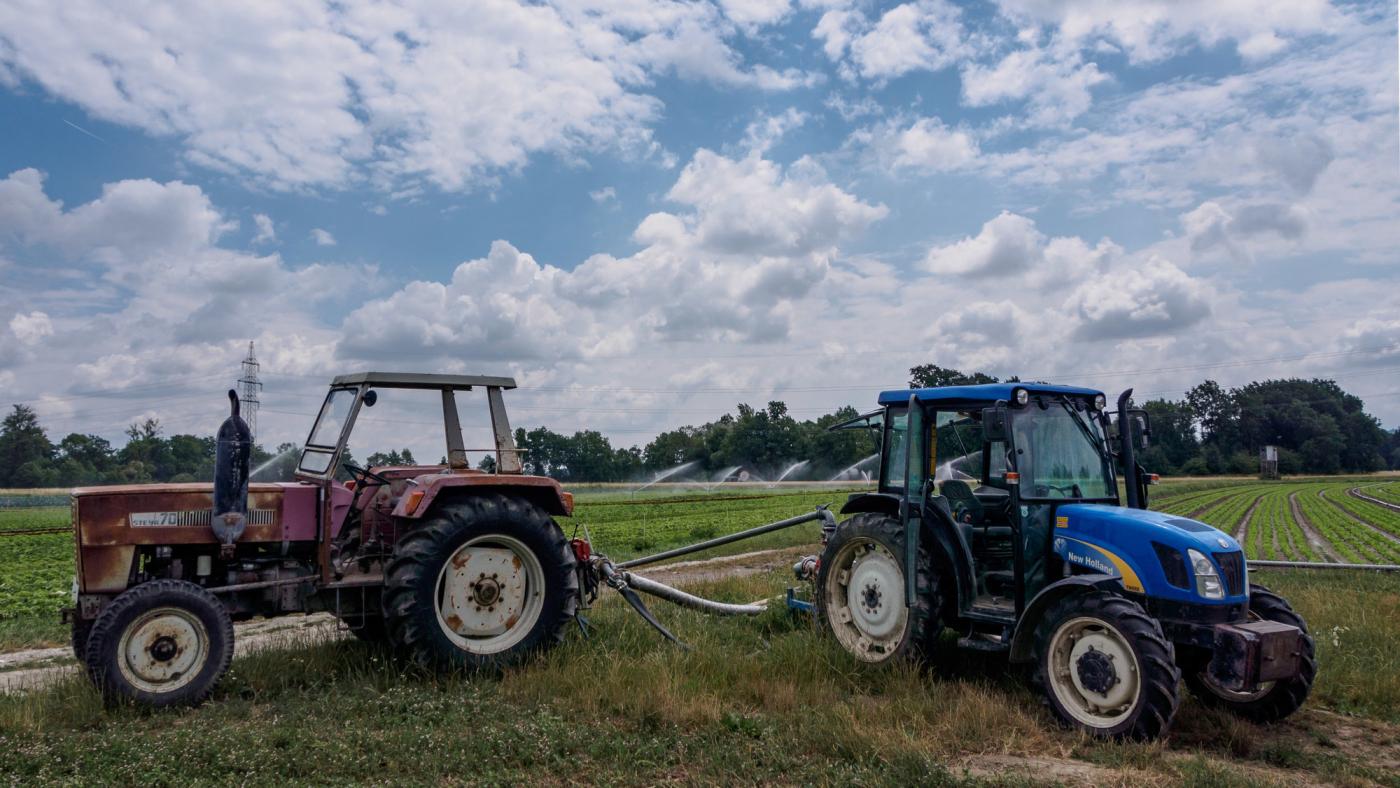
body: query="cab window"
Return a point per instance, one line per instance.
(895, 450)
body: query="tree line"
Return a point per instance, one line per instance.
(1318, 427)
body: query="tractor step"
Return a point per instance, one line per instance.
(982, 641)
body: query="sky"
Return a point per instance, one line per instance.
(648, 211)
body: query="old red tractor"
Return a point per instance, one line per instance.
(455, 566)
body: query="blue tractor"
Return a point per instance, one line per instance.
(998, 516)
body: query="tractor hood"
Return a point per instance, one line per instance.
(1148, 550)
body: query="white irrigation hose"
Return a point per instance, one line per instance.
(690, 600)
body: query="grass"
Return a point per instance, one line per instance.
(766, 699)
(754, 701)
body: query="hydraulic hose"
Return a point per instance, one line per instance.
(690, 600)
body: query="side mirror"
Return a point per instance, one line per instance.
(370, 398)
(1142, 429)
(994, 427)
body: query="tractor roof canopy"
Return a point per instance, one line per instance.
(986, 394)
(418, 380)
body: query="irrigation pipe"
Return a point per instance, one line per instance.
(1319, 565)
(690, 600)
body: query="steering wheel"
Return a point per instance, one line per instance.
(364, 473)
(1065, 492)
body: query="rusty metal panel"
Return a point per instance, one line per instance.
(169, 514)
(106, 569)
(507, 458)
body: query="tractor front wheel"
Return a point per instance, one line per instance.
(481, 583)
(860, 591)
(162, 643)
(1273, 700)
(1106, 668)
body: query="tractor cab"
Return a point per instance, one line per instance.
(998, 515)
(993, 463)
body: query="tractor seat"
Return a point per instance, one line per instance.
(965, 505)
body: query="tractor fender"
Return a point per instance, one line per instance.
(884, 503)
(955, 552)
(1023, 641)
(539, 490)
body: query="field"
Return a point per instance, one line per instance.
(1331, 521)
(755, 700)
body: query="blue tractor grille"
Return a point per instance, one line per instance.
(1232, 571)
(1173, 565)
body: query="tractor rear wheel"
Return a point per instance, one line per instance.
(1274, 700)
(1106, 668)
(860, 590)
(162, 643)
(79, 636)
(481, 583)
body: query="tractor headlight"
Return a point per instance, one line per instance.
(1100, 403)
(1208, 583)
(1021, 396)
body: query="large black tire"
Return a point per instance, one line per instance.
(82, 628)
(421, 622)
(877, 628)
(1275, 700)
(162, 643)
(1082, 645)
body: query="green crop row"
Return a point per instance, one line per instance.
(1354, 542)
(25, 519)
(36, 573)
(1186, 504)
(1389, 491)
(1378, 516)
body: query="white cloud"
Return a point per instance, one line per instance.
(1210, 226)
(915, 36)
(160, 299)
(1150, 30)
(1376, 339)
(755, 13)
(603, 195)
(752, 240)
(767, 130)
(267, 233)
(1056, 88)
(1008, 244)
(1152, 298)
(322, 237)
(303, 94)
(31, 328)
(926, 144)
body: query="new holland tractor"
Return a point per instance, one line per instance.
(998, 516)
(454, 566)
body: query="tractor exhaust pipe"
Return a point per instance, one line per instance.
(1127, 450)
(231, 457)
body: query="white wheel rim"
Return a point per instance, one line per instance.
(163, 650)
(490, 593)
(1093, 672)
(865, 600)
